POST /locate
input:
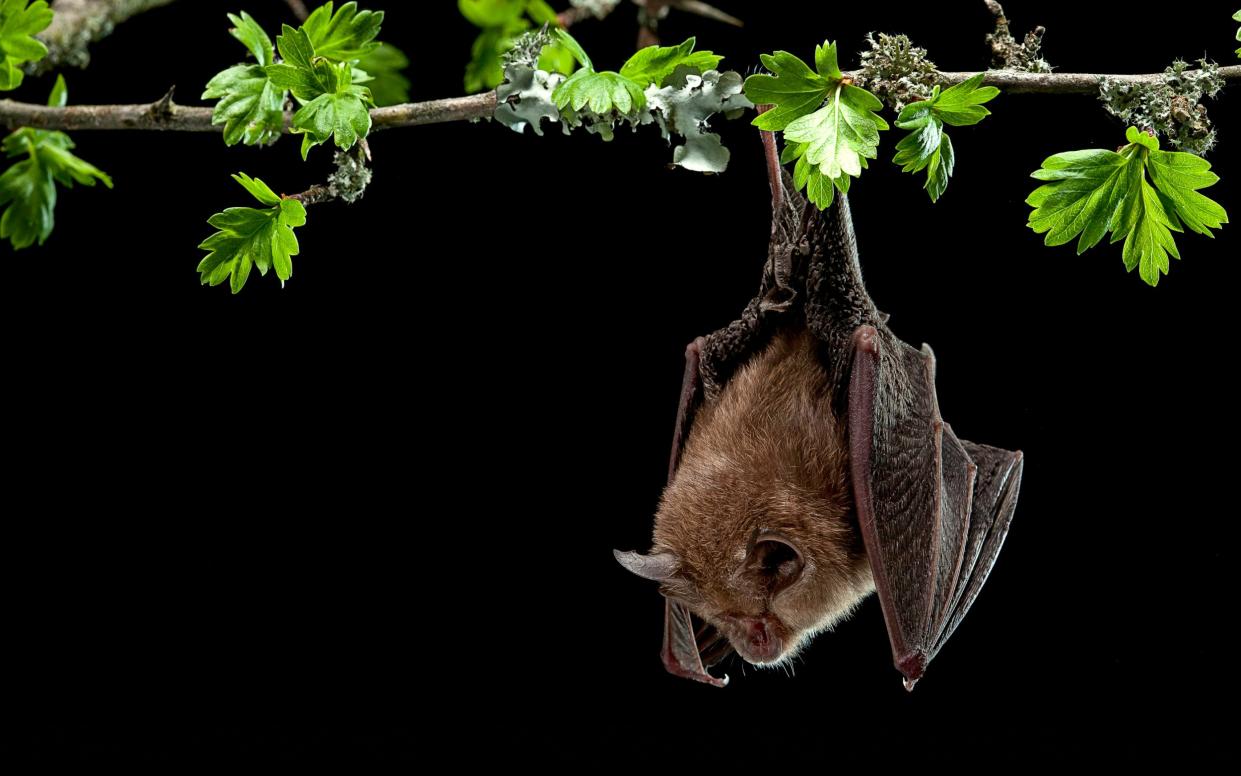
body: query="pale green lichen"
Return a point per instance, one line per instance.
(1171, 108)
(896, 71)
(351, 177)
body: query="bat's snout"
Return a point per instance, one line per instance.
(759, 639)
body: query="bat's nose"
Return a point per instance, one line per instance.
(761, 642)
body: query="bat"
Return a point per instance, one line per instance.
(810, 467)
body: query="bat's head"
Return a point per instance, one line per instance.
(756, 533)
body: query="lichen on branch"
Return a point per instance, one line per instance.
(1171, 106)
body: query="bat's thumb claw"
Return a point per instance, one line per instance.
(912, 665)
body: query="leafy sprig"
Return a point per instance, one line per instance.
(831, 126)
(332, 64)
(927, 146)
(250, 106)
(20, 21)
(333, 106)
(1094, 191)
(502, 22)
(252, 237)
(28, 187)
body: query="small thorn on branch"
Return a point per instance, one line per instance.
(163, 108)
(707, 11)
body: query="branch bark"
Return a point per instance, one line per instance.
(163, 115)
(168, 116)
(79, 23)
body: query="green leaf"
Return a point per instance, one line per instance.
(653, 64)
(299, 72)
(825, 61)
(1236, 17)
(252, 237)
(486, 69)
(1178, 176)
(961, 105)
(252, 36)
(600, 92)
(342, 115)
(575, 48)
(556, 58)
(251, 107)
(20, 21)
(258, 189)
(343, 36)
(28, 191)
(542, 13)
(491, 13)
(939, 169)
(1134, 135)
(383, 67)
(28, 187)
(794, 91)
(59, 97)
(1150, 241)
(927, 146)
(1094, 191)
(333, 105)
(842, 133)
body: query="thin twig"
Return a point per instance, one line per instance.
(315, 195)
(299, 9)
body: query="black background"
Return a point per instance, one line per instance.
(371, 514)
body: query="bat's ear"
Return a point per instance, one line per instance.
(657, 566)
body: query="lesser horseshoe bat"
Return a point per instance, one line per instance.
(810, 466)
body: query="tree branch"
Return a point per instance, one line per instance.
(168, 116)
(79, 23)
(1018, 82)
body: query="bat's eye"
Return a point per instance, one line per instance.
(777, 559)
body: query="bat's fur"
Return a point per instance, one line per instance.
(768, 453)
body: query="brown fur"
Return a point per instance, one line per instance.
(768, 454)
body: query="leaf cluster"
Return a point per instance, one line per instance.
(20, 21)
(28, 187)
(1095, 191)
(927, 146)
(831, 126)
(331, 65)
(252, 237)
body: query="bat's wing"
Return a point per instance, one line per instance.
(933, 510)
(690, 645)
